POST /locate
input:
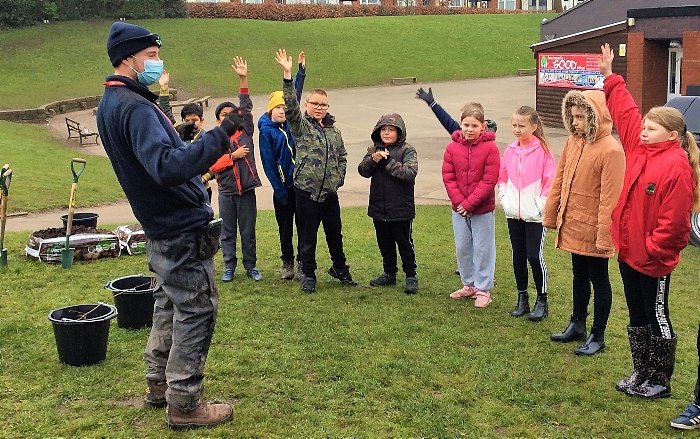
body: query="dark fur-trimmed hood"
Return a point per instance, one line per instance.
(592, 102)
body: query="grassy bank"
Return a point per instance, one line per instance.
(42, 177)
(63, 60)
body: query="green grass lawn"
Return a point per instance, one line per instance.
(42, 177)
(61, 60)
(345, 362)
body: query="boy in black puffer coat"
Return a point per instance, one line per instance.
(392, 164)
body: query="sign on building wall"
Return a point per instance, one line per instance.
(570, 70)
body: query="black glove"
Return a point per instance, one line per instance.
(283, 200)
(491, 125)
(426, 96)
(186, 131)
(232, 123)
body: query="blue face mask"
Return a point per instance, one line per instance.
(152, 71)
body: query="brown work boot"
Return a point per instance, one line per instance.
(155, 394)
(206, 415)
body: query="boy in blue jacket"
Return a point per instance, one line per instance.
(278, 153)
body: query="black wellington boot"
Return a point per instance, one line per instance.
(541, 309)
(594, 344)
(639, 337)
(523, 306)
(575, 331)
(662, 361)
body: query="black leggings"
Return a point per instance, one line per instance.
(647, 300)
(591, 270)
(527, 242)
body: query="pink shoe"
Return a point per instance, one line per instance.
(465, 291)
(483, 298)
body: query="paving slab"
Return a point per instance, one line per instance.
(357, 111)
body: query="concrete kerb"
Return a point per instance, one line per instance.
(357, 111)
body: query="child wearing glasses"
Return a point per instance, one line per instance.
(319, 171)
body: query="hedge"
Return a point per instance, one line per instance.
(297, 12)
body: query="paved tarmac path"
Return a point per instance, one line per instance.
(357, 111)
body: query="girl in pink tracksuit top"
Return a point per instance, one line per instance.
(527, 170)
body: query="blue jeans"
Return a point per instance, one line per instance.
(186, 302)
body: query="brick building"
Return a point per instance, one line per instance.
(657, 51)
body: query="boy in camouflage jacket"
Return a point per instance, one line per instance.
(319, 171)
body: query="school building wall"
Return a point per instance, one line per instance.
(648, 43)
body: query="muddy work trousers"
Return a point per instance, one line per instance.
(186, 302)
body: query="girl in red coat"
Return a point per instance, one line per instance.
(470, 172)
(650, 226)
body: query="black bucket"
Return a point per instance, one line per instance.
(81, 333)
(81, 219)
(133, 296)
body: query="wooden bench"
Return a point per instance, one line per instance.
(406, 80)
(527, 72)
(181, 103)
(202, 102)
(83, 133)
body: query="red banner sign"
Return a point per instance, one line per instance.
(570, 70)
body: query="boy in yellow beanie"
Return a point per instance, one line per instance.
(277, 152)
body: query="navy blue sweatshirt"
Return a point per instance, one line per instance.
(159, 173)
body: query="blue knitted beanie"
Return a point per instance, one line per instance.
(126, 39)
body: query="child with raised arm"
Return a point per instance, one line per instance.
(527, 170)
(470, 173)
(319, 171)
(277, 153)
(237, 177)
(650, 227)
(392, 165)
(443, 117)
(585, 189)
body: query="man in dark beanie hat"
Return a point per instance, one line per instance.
(160, 176)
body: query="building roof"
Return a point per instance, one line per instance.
(580, 36)
(596, 13)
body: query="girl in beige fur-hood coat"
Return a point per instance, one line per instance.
(588, 180)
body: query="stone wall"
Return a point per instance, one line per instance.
(44, 112)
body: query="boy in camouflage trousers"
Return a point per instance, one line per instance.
(319, 171)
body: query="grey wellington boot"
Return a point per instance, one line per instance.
(639, 337)
(662, 361)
